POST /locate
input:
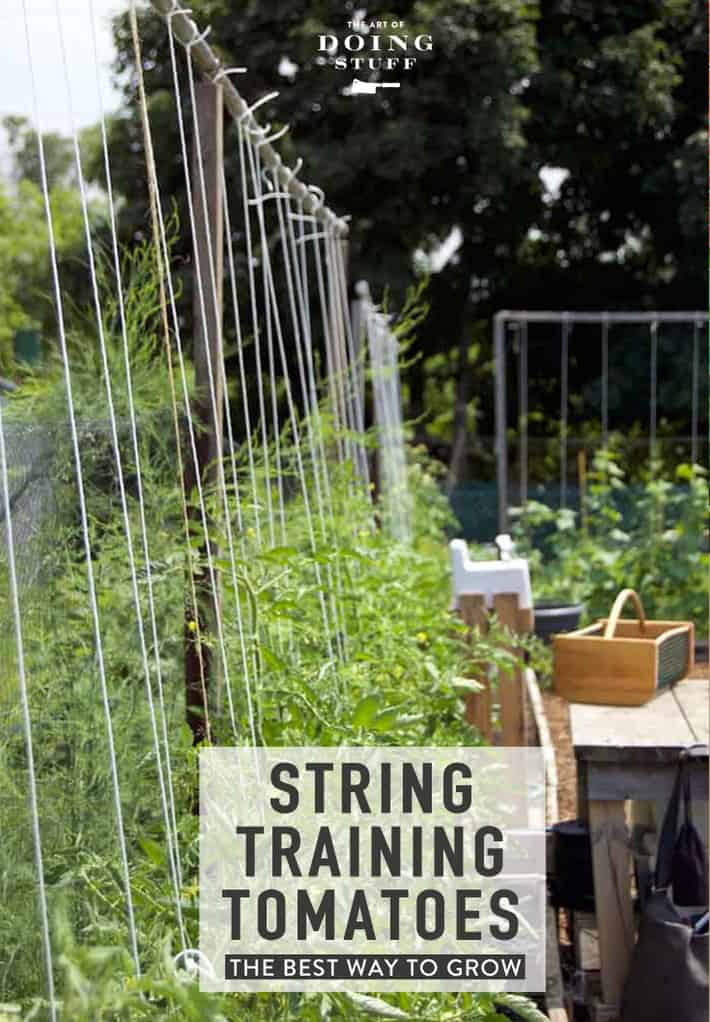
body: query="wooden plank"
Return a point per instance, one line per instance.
(611, 863)
(648, 782)
(604, 1012)
(537, 710)
(650, 733)
(478, 708)
(692, 697)
(510, 683)
(526, 620)
(586, 941)
(554, 989)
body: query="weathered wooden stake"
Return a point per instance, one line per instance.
(208, 415)
(511, 684)
(478, 704)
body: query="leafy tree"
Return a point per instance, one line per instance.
(22, 141)
(619, 102)
(611, 93)
(25, 283)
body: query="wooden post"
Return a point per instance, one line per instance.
(478, 704)
(611, 862)
(511, 684)
(207, 354)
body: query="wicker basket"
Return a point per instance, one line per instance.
(622, 662)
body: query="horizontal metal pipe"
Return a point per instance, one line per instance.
(187, 32)
(536, 316)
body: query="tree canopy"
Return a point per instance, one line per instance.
(559, 146)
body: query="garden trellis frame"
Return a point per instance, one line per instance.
(216, 94)
(188, 33)
(302, 250)
(565, 320)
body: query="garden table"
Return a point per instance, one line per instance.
(625, 753)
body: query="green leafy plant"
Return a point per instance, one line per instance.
(652, 537)
(400, 683)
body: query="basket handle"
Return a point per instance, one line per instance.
(624, 595)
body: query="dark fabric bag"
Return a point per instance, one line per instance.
(681, 863)
(668, 979)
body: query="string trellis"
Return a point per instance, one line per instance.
(293, 415)
(564, 333)
(383, 349)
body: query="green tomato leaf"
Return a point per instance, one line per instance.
(365, 710)
(153, 850)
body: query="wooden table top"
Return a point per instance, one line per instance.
(652, 733)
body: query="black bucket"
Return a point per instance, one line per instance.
(553, 616)
(572, 882)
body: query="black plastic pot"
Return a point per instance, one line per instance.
(572, 882)
(553, 616)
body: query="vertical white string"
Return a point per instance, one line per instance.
(271, 296)
(255, 169)
(245, 401)
(384, 359)
(299, 264)
(302, 283)
(208, 356)
(339, 362)
(326, 320)
(223, 379)
(300, 327)
(26, 722)
(240, 354)
(256, 337)
(154, 184)
(162, 268)
(59, 302)
(166, 790)
(351, 360)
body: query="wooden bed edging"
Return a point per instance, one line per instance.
(538, 733)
